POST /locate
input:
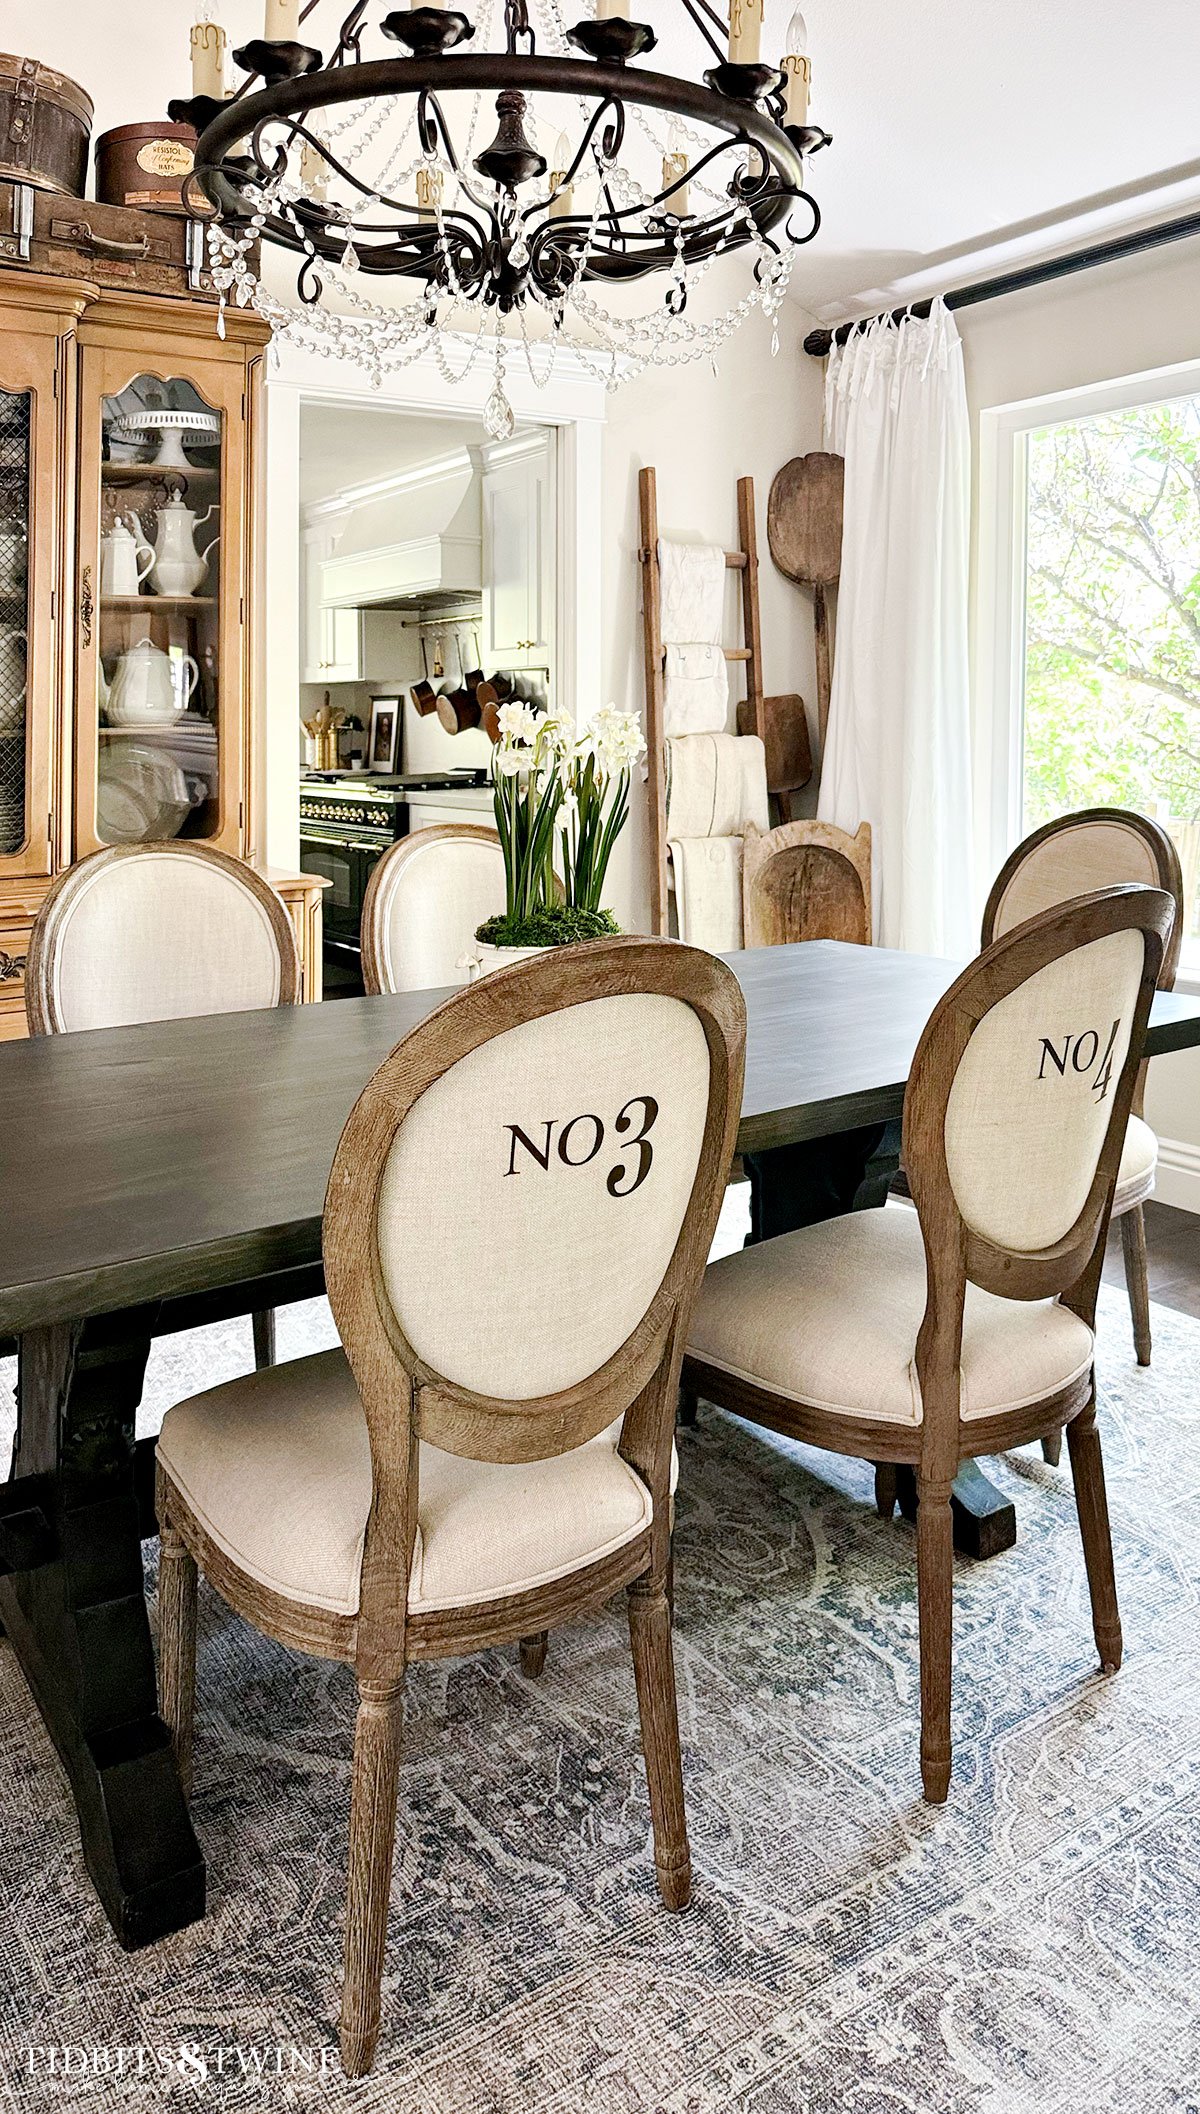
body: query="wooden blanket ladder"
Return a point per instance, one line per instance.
(743, 560)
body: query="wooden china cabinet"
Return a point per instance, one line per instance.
(126, 677)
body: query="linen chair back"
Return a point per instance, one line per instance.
(518, 1216)
(157, 932)
(1099, 847)
(423, 902)
(1016, 1109)
(806, 881)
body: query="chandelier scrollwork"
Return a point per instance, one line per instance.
(370, 168)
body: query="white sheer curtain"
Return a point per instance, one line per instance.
(898, 745)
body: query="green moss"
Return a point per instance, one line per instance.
(557, 925)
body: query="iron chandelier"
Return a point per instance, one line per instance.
(371, 168)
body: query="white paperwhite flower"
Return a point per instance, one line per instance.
(617, 737)
(509, 762)
(518, 723)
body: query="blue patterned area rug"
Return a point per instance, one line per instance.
(1032, 1948)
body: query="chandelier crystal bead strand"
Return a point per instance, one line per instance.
(362, 156)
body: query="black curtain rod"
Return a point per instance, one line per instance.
(819, 342)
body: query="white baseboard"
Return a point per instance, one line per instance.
(1178, 1179)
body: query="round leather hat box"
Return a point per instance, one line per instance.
(145, 165)
(45, 126)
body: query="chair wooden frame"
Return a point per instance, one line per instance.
(1170, 877)
(52, 919)
(405, 1400)
(955, 1256)
(384, 874)
(843, 911)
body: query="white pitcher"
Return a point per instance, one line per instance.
(178, 566)
(150, 688)
(124, 561)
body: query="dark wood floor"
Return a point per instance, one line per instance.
(1173, 1255)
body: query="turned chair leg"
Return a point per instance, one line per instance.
(654, 1674)
(886, 1488)
(689, 1402)
(369, 1880)
(176, 1642)
(935, 1595)
(1052, 1447)
(1087, 1470)
(1133, 1243)
(263, 1324)
(533, 1654)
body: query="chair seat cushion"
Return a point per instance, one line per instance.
(829, 1317)
(276, 1467)
(1139, 1165)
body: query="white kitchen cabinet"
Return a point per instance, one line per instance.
(519, 530)
(343, 645)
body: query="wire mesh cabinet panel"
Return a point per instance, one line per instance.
(15, 409)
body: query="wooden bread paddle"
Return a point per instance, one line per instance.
(789, 755)
(804, 531)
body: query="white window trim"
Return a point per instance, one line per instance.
(999, 653)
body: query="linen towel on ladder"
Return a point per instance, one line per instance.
(716, 790)
(695, 677)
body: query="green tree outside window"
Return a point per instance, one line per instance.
(1112, 643)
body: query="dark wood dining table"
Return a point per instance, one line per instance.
(153, 1178)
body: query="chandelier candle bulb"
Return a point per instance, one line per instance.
(607, 9)
(208, 60)
(429, 193)
(314, 174)
(563, 203)
(797, 68)
(745, 31)
(674, 174)
(281, 23)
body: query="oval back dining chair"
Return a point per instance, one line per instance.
(517, 1218)
(424, 899)
(143, 932)
(965, 1327)
(1098, 848)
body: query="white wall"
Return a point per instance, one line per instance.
(1122, 319)
(701, 433)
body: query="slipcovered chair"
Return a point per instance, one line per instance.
(1097, 848)
(144, 932)
(965, 1327)
(423, 902)
(516, 1222)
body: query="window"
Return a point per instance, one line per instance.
(1099, 658)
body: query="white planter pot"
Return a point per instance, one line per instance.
(483, 957)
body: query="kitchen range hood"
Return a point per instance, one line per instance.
(424, 571)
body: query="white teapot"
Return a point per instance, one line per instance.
(150, 688)
(125, 559)
(178, 566)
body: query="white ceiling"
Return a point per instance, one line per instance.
(972, 134)
(967, 133)
(343, 446)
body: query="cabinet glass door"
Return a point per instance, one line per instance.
(158, 668)
(16, 418)
(161, 661)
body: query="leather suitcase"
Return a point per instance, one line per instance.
(132, 248)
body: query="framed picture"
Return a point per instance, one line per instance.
(384, 737)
